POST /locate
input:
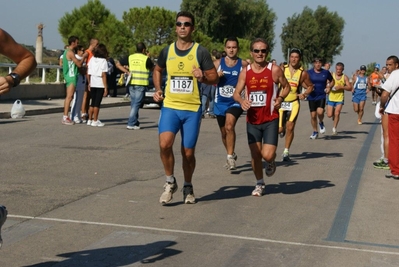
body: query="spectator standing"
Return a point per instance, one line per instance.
(86, 96)
(70, 70)
(390, 105)
(111, 77)
(140, 66)
(97, 72)
(80, 88)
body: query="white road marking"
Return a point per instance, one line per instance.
(247, 238)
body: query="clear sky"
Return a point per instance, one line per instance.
(370, 33)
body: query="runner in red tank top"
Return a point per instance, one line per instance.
(262, 102)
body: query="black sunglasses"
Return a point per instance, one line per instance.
(256, 51)
(186, 24)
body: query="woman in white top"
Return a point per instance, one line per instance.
(97, 71)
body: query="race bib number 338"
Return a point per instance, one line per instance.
(181, 85)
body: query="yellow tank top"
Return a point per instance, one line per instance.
(293, 81)
(182, 89)
(337, 96)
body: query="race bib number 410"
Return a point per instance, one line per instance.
(258, 98)
(181, 85)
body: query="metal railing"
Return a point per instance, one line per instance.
(44, 68)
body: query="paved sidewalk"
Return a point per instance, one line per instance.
(37, 107)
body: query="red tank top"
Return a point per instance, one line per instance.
(262, 90)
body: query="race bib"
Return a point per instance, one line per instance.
(361, 86)
(286, 106)
(226, 91)
(258, 98)
(181, 85)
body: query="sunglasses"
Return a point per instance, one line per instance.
(256, 51)
(185, 24)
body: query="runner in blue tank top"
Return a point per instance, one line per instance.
(359, 93)
(226, 109)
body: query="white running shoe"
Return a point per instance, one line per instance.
(97, 123)
(259, 190)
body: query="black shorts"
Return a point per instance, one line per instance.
(96, 95)
(268, 132)
(235, 111)
(315, 104)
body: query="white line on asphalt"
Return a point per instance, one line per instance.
(205, 234)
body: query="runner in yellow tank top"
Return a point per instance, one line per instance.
(290, 106)
(336, 96)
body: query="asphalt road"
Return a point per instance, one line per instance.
(87, 196)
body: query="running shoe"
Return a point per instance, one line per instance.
(322, 128)
(270, 168)
(97, 123)
(3, 218)
(67, 121)
(235, 156)
(390, 175)
(231, 164)
(334, 131)
(89, 122)
(314, 135)
(259, 190)
(84, 117)
(359, 122)
(167, 195)
(134, 127)
(381, 165)
(77, 120)
(188, 194)
(286, 156)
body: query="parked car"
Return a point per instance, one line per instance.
(148, 97)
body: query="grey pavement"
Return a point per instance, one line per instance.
(87, 196)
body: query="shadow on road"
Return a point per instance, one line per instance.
(115, 256)
(296, 187)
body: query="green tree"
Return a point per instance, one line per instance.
(93, 20)
(246, 19)
(316, 33)
(151, 25)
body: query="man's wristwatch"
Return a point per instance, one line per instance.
(15, 77)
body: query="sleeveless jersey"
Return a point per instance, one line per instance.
(182, 88)
(360, 85)
(138, 69)
(375, 79)
(337, 96)
(294, 83)
(226, 86)
(69, 68)
(262, 91)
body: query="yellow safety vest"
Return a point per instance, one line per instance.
(182, 89)
(138, 69)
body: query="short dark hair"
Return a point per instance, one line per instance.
(140, 47)
(394, 58)
(297, 51)
(318, 59)
(186, 14)
(231, 39)
(258, 40)
(101, 51)
(72, 39)
(340, 64)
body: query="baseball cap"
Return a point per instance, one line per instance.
(363, 67)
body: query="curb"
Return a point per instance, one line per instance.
(42, 111)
